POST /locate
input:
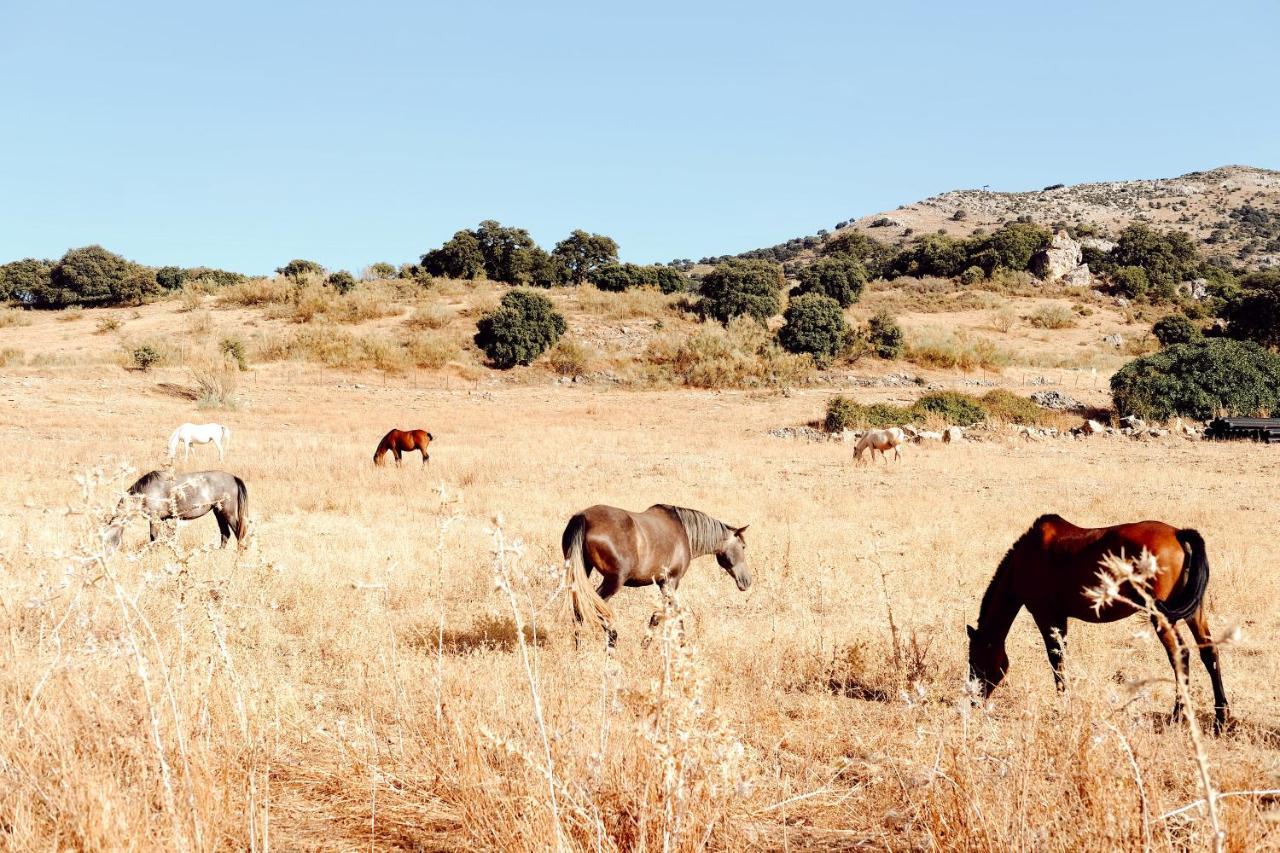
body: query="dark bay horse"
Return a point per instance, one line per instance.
(1050, 570)
(400, 441)
(642, 548)
(161, 496)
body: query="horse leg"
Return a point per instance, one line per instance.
(1054, 632)
(155, 528)
(396, 451)
(217, 443)
(610, 586)
(425, 456)
(1179, 657)
(224, 526)
(1199, 626)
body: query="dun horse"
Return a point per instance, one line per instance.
(881, 440)
(161, 496)
(400, 441)
(189, 434)
(641, 548)
(1052, 567)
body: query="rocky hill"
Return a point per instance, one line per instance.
(1233, 210)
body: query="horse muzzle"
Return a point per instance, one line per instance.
(743, 580)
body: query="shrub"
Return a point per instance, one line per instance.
(955, 351)
(342, 281)
(144, 357)
(543, 269)
(215, 385)
(1199, 379)
(972, 275)
(524, 326)
(840, 277)
(885, 336)
(739, 288)
(10, 356)
(617, 277)
(934, 254)
(1253, 311)
(431, 351)
(952, 407)
(107, 324)
(569, 358)
(298, 268)
(737, 355)
(170, 278)
(814, 324)
(1052, 317)
(1131, 282)
(1011, 247)
(874, 256)
(380, 271)
(233, 348)
(1174, 329)
(1165, 257)
(948, 407)
(22, 280)
(429, 317)
(1009, 407)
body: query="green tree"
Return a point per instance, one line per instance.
(524, 326)
(544, 269)
(875, 257)
(1174, 329)
(936, 255)
(1199, 379)
(741, 287)
(92, 276)
(299, 267)
(885, 335)
(1252, 311)
(584, 253)
(1012, 246)
(840, 277)
(459, 257)
(381, 271)
(342, 281)
(1166, 257)
(170, 278)
(21, 280)
(814, 324)
(505, 251)
(1131, 282)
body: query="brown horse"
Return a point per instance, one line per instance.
(400, 441)
(1050, 571)
(641, 548)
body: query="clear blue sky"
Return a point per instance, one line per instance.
(242, 134)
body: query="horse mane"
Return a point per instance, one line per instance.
(1006, 565)
(146, 480)
(705, 533)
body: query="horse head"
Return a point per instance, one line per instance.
(988, 661)
(731, 554)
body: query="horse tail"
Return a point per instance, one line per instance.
(242, 517)
(430, 437)
(1186, 601)
(582, 594)
(226, 437)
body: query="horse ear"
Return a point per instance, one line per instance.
(737, 531)
(973, 632)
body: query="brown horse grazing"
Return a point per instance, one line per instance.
(641, 548)
(1052, 567)
(400, 441)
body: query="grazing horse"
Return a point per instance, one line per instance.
(189, 434)
(1051, 569)
(882, 440)
(641, 548)
(400, 441)
(161, 496)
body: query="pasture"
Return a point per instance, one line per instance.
(389, 666)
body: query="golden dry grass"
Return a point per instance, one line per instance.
(357, 678)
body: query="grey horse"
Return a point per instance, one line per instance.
(161, 496)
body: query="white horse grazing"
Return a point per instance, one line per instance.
(189, 434)
(882, 440)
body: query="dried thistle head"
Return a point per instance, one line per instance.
(1116, 572)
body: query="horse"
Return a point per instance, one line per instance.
(162, 496)
(642, 548)
(1051, 570)
(882, 440)
(189, 434)
(403, 441)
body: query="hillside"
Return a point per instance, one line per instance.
(1232, 211)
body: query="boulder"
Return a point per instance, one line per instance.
(927, 435)
(1133, 422)
(1055, 400)
(1196, 289)
(952, 435)
(1079, 277)
(1092, 427)
(1063, 257)
(1116, 340)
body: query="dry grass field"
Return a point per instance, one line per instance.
(388, 665)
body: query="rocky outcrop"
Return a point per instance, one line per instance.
(1062, 261)
(1055, 400)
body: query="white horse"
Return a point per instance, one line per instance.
(189, 434)
(882, 440)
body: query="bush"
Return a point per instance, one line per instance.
(615, 277)
(431, 352)
(1253, 311)
(874, 256)
(524, 326)
(170, 278)
(1174, 329)
(1165, 258)
(94, 277)
(1012, 247)
(952, 407)
(234, 349)
(106, 325)
(1052, 317)
(342, 281)
(814, 324)
(144, 357)
(569, 358)
(972, 275)
(298, 268)
(1200, 379)
(380, 271)
(1009, 407)
(840, 277)
(948, 408)
(429, 317)
(885, 336)
(739, 288)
